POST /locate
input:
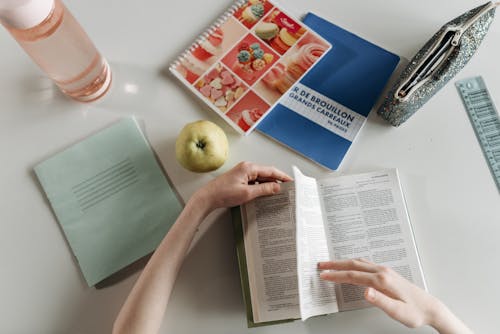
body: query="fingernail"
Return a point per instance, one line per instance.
(370, 293)
(322, 275)
(319, 265)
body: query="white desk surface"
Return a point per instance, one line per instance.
(452, 198)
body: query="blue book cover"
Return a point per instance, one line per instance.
(321, 115)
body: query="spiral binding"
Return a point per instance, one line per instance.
(207, 32)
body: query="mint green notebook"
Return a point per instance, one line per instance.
(111, 197)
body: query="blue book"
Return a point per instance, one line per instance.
(321, 115)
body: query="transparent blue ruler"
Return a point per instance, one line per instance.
(485, 120)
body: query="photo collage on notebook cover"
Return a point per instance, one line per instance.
(244, 65)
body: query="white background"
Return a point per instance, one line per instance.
(452, 198)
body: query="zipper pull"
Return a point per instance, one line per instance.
(456, 38)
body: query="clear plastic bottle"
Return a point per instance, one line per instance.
(52, 37)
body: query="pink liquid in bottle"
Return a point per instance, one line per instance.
(60, 47)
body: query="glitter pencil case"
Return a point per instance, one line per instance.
(436, 63)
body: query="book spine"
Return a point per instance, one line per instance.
(207, 32)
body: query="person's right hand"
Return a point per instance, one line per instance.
(396, 296)
(241, 184)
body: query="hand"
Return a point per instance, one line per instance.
(144, 309)
(241, 184)
(396, 296)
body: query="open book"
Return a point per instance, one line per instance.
(281, 238)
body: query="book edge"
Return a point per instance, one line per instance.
(243, 271)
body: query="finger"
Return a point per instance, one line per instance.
(378, 280)
(268, 172)
(392, 307)
(265, 179)
(349, 276)
(365, 260)
(360, 278)
(353, 264)
(263, 189)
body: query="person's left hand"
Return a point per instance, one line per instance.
(241, 184)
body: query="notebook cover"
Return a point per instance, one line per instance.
(321, 115)
(111, 198)
(237, 67)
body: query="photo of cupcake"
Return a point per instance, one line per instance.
(250, 58)
(249, 117)
(251, 12)
(280, 31)
(248, 111)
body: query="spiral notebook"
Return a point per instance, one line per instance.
(241, 65)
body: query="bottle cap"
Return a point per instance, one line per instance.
(24, 14)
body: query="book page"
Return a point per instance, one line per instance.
(269, 237)
(365, 217)
(317, 296)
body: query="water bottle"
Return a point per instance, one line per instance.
(51, 36)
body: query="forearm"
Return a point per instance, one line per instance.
(145, 306)
(445, 322)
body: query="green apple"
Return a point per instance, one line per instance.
(201, 146)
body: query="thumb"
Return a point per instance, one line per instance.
(390, 306)
(263, 189)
